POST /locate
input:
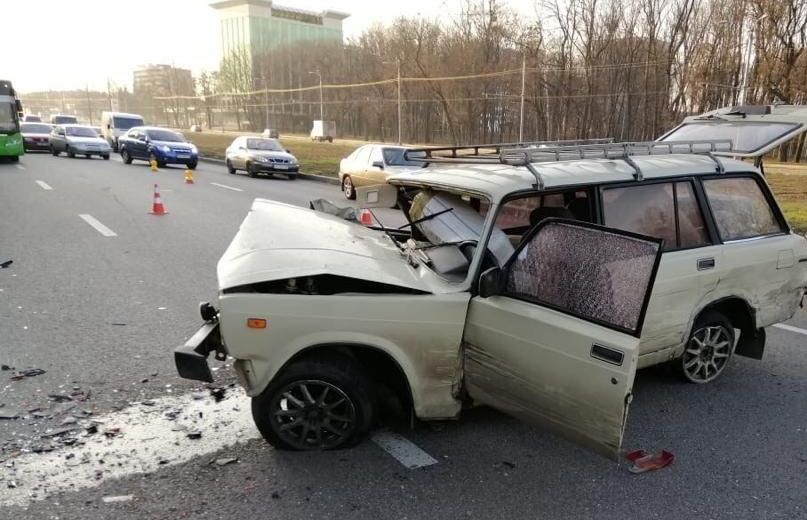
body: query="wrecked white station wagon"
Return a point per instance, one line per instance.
(533, 278)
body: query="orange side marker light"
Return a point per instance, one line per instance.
(256, 323)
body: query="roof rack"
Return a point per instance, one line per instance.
(526, 154)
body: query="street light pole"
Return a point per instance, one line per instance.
(523, 86)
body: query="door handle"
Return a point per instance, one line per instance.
(607, 354)
(706, 263)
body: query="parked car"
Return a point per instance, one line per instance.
(323, 131)
(256, 155)
(271, 133)
(78, 140)
(62, 119)
(372, 164)
(35, 136)
(164, 146)
(115, 124)
(534, 280)
(30, 118)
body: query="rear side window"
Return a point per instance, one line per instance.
(740, 208)
(668, 211)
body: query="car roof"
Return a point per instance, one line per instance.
(124, 114)
(496, 181)
(73, 125)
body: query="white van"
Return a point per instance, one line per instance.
(115, 124)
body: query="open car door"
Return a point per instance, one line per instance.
(754, 130)
(553, 335)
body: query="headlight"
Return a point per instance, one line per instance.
(263, 158)
(194, 149)
(164, 148)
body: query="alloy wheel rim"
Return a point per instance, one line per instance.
(707, 353)
(348, 187)
(313, 415)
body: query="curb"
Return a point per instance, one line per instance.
(307, 176)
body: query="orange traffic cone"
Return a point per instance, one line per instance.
(188, 176)
(365, 218)
(157, 207)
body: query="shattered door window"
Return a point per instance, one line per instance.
(596, 274)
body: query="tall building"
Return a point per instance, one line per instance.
(260, 25)
(162, 80)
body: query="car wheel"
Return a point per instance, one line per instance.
(229, 165)
(250, 171)
(317, 404)
(105, 156)
(70, 153)
(124, 155)
(54, 152)
(708, 350)
(347, 188)
(14, 158)
(192, 166)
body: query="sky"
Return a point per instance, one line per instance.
(74, 44)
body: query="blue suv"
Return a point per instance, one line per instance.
(159, 144)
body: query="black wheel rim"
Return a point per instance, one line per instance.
(707, 353)
(313, 415)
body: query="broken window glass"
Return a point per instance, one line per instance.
(596, 274)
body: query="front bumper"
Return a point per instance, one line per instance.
(92, 151)
(275, 167)
(35, 144)
(191, 358)
(174, 158)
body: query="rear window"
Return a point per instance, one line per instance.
(740, 208)
(746, 137)
(125, 123)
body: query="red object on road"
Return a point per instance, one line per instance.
(157, 207)
(365, 218)
(643, 461)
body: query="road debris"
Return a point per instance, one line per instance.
(5, 367)
(112, 432)
(8, 414)
(224, 461)
(217, 393)
(196, 434)
(28, 372)
(643, 461)
(4, 265)
(119, 498)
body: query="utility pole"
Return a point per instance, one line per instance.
(89, 103)
(266, 100)
(318, 72)
(400, 139)
(109, 94)
(523, 86)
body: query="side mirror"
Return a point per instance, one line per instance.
(378, 164)
(491, 282)
(289, 151)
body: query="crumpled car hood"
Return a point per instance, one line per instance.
(278, 241)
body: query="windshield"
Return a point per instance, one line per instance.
(80, 131)
(269, 145)
(8, 118)
(165, 135)
(35, 128)
(395, 157)
(125, 123)
(746, 137)
(63, 120)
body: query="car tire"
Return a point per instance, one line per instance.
(708, 350)
(54, 152)
(105, 156)
(14, 158)
(192, 166)
(125, 156)
(230, 168)
(347, 188)
(252, 173)
(70, 152)
(330, 396)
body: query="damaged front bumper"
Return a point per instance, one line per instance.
(191, 358)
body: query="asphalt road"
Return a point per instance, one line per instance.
(100, 315)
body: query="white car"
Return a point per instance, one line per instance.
(535, 280)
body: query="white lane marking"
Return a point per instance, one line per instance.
(44, 185)
(790, 328)
(20, 167)
(150, 437)
(405, 451)
(89, 219)
(225, 186)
